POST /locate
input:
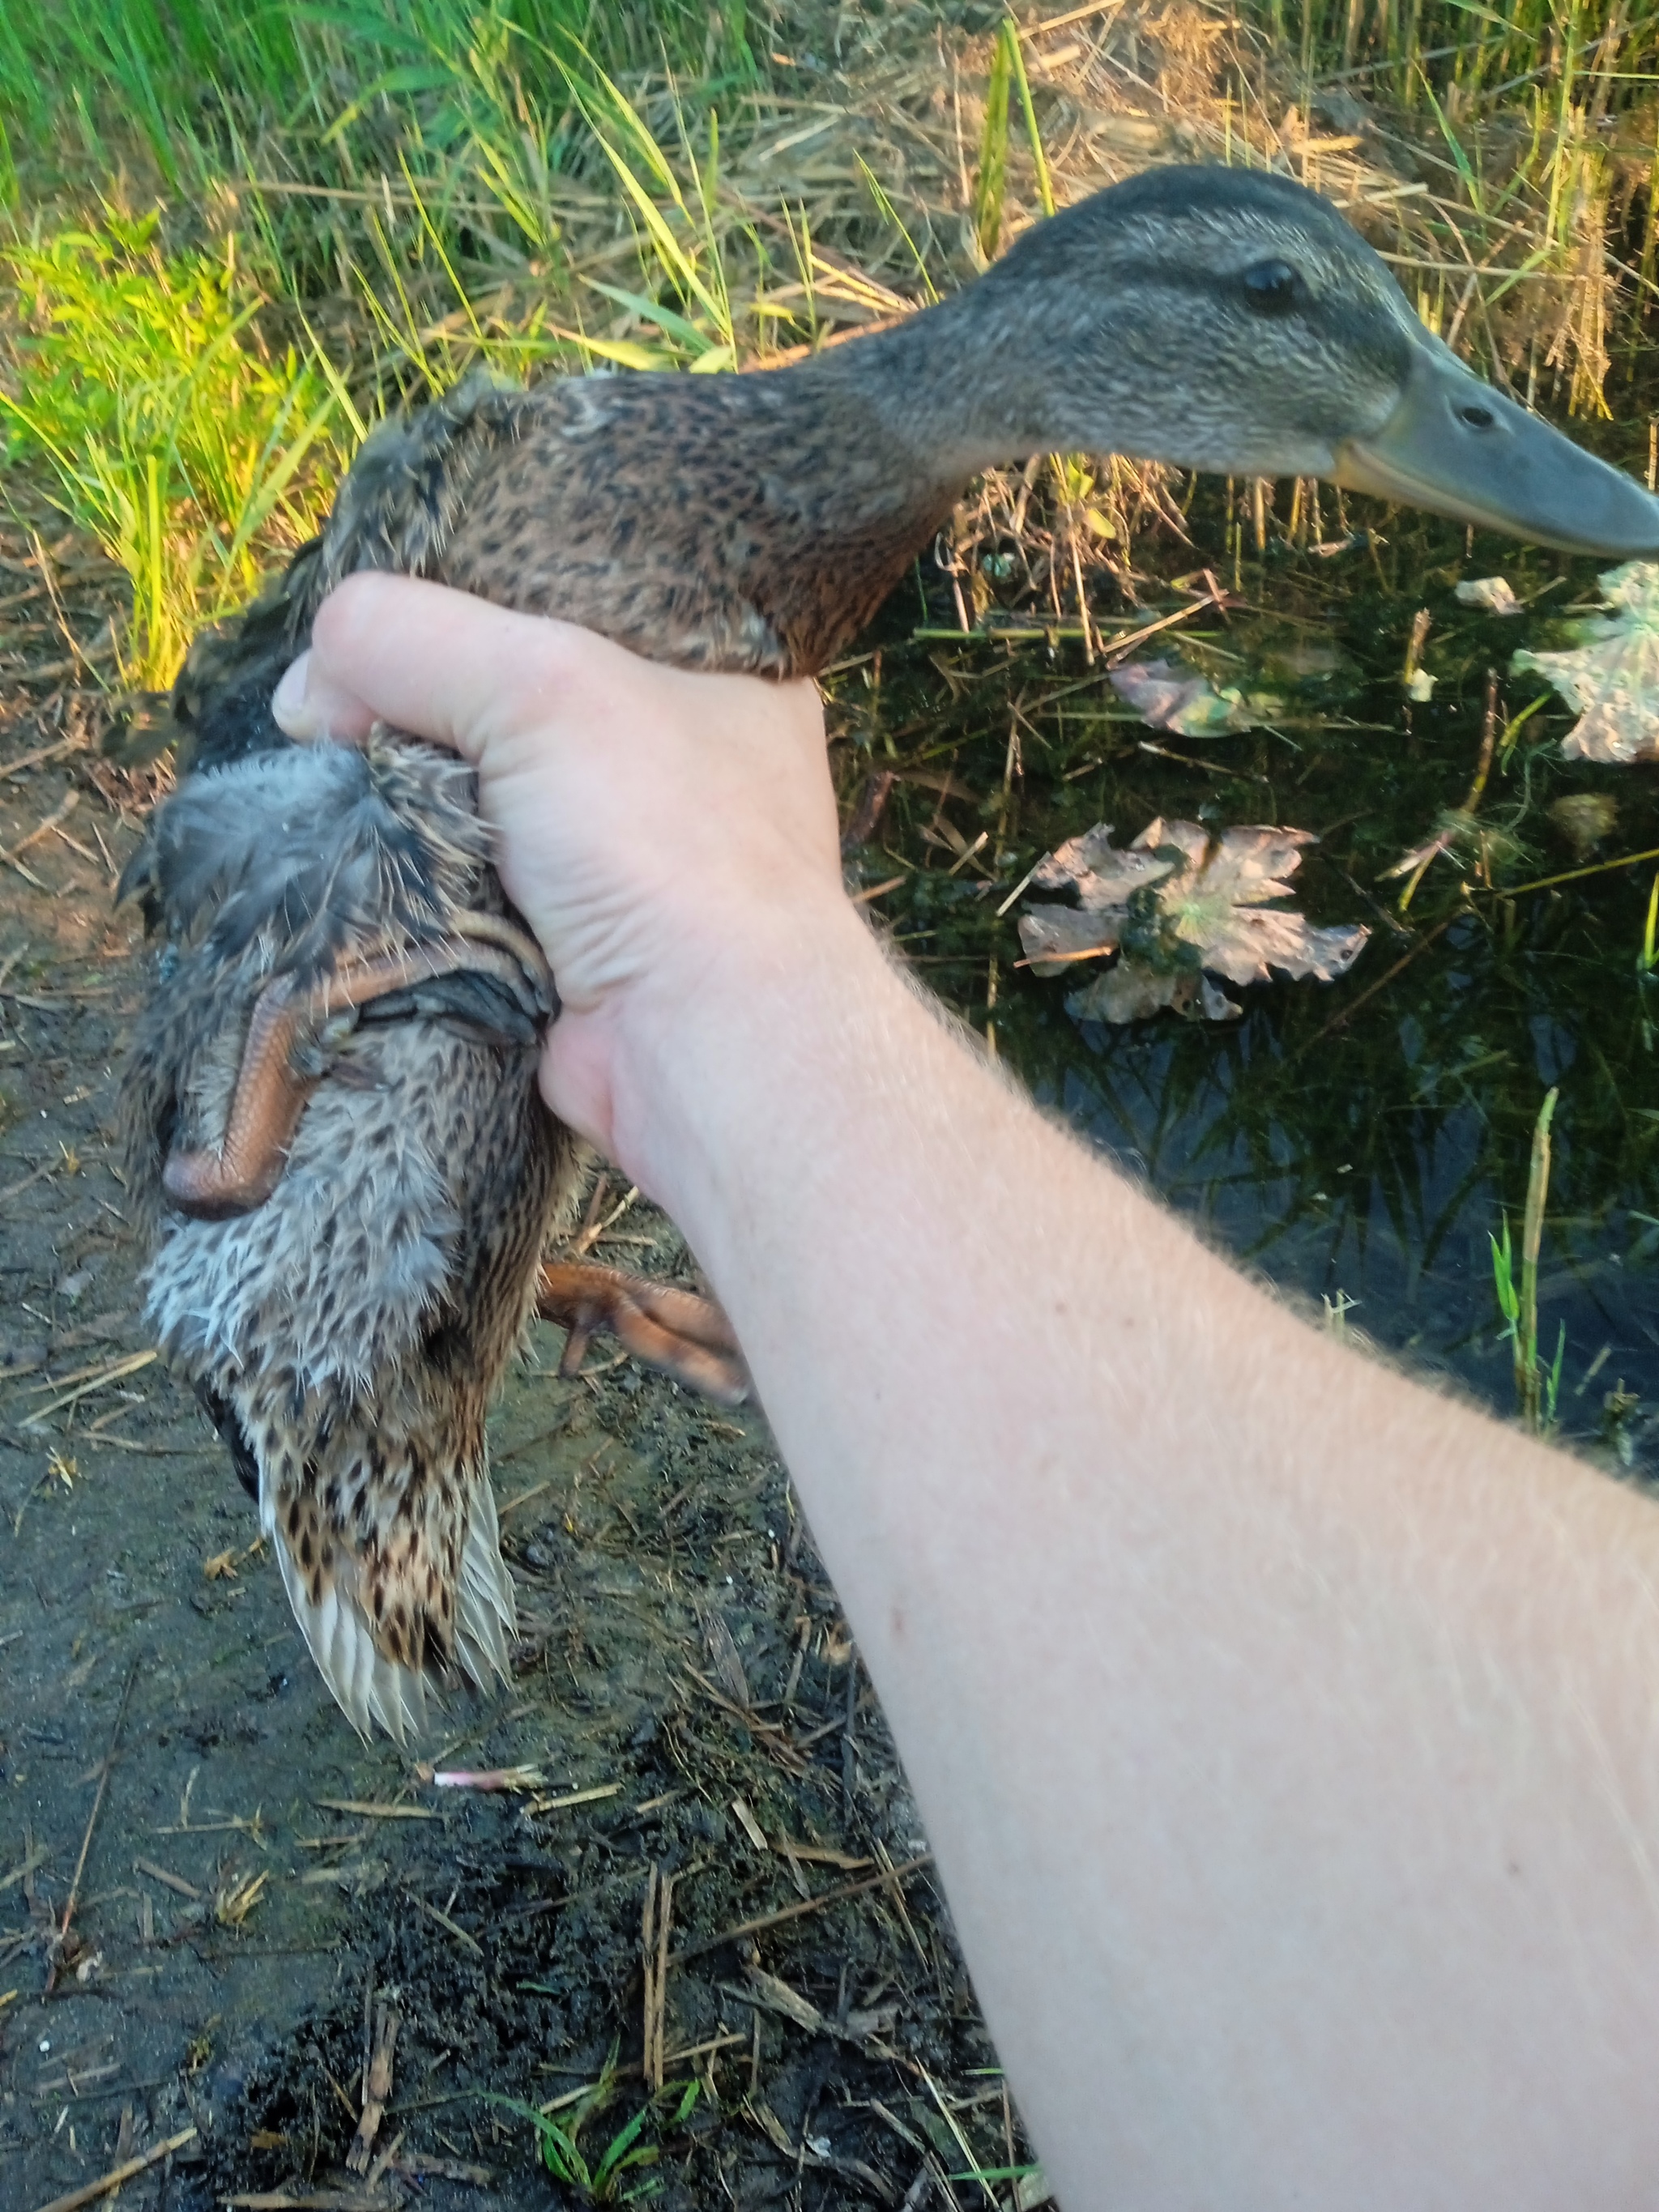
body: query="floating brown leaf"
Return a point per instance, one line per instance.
(1168, 696)
(1175, 904)
(1612, 675)
(1493, 595)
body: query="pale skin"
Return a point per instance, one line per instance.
(1285, 1732)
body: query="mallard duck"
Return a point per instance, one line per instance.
(331, 1101)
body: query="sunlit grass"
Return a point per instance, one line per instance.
(197, 452)
(191, 457)
(1537, 1387)
(195, 80)
(1541, 119)
(1473, 51)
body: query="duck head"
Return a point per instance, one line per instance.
(1230, 320)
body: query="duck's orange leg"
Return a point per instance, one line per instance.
(271, 1089)
(670, 1329)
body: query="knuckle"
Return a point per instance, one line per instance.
(354, 606)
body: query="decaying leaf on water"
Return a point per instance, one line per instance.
(1586, 819)
(1612, 675)
(1168, 696)
(1493, 595)
(1179, 907)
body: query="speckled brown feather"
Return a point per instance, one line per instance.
(352, 1328)
(347, 1335)
(558, 501)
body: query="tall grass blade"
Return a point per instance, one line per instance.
(889, 213)
(1010, 34)
(990, 182)
(1528, 1377)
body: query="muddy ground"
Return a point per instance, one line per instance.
(212, 1896)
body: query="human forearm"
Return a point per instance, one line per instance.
(1284, 1730)
(1281, 1728)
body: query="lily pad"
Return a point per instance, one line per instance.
(1612, 675)
(1180, 907)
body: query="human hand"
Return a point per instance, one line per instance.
(657, 829)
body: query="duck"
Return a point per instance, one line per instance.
(333, 1126)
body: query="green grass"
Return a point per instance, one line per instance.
(619, 2172)
(194, 379)
(194, 382)
(1475, 52)
(1537, 1387)
(200, 82)
(192, 455)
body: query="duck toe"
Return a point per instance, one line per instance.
(682, 1335)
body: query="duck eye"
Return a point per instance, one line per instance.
(1274, 288)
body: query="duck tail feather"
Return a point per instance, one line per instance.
(485, 1614)
(370, 1688)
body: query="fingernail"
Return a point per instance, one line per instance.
(289, 707)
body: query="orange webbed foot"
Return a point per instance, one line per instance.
(677, 1331)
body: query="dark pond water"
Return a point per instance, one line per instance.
(1362, 1141)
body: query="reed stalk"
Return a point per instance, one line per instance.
(1536, 1387)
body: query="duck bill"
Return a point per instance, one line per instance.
(1459, 448)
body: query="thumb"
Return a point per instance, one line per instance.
(441, 664)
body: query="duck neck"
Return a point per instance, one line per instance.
(871, 444)
(969, 385)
